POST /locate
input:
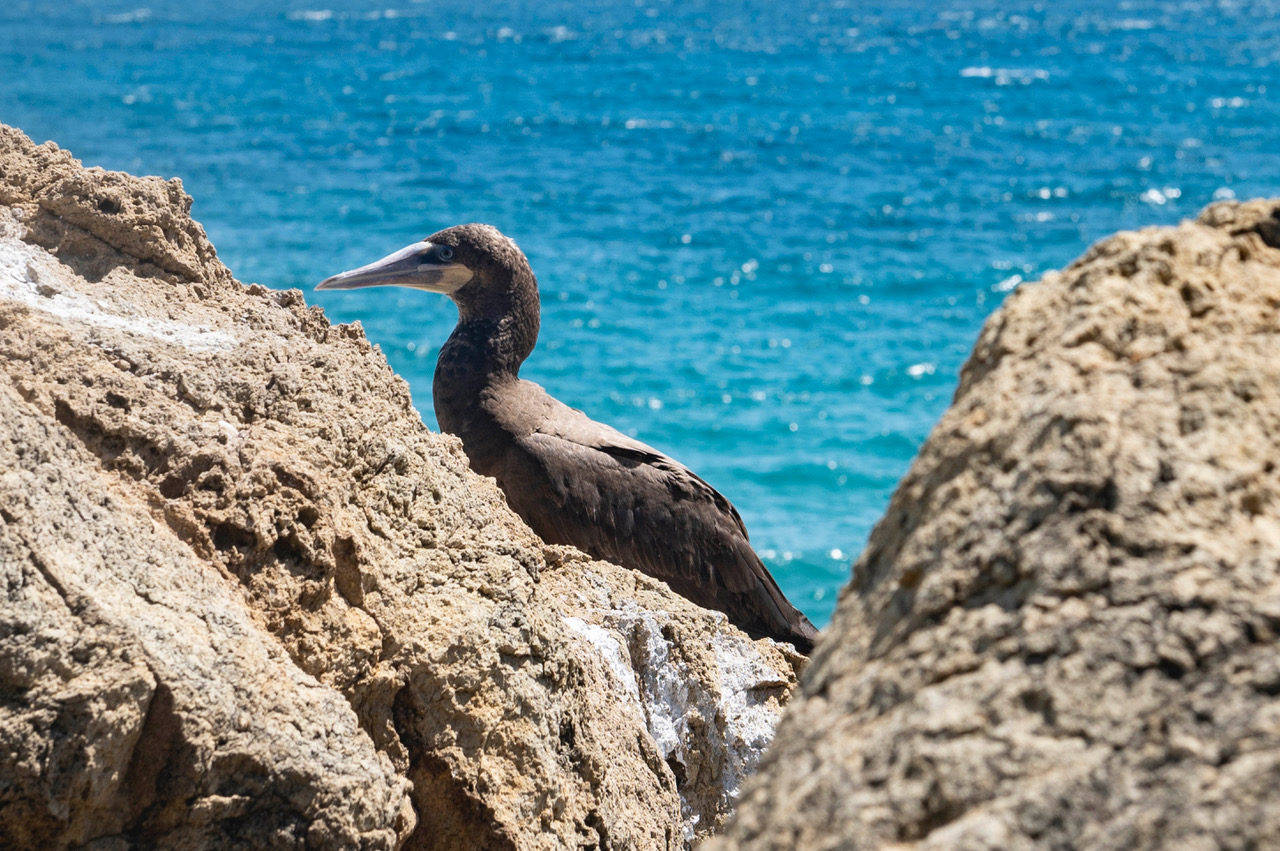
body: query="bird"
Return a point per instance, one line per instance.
(573, 480)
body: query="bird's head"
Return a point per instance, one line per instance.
(469, 263)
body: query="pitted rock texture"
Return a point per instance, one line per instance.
(251, 600)
(1063, 633)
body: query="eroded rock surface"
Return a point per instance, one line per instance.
(1064, 631)
(249, 598)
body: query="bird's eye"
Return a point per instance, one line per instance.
(445, 253)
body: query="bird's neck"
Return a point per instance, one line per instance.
(496, 332)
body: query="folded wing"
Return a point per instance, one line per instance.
(589, 485)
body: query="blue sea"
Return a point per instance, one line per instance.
(766, 233)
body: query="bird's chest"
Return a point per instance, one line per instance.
(485, 439)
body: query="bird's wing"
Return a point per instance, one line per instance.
(581, 430)
(639, 506)
(580, 482)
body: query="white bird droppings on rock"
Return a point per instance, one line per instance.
(25, 268)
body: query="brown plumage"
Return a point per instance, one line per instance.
(573, 480)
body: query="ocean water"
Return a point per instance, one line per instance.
(766, 233)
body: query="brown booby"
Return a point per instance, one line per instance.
(573, 480)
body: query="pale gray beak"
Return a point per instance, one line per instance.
(418, 266)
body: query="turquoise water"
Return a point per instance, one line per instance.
(766, 233)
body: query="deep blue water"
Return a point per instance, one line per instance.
(766, 233)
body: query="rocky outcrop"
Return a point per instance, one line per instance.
(1064, 631)
(250, 599)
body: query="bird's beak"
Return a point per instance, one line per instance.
(417, 266)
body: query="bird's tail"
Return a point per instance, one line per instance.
(804, 633)
(783, 621)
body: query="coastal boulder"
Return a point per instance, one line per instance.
(1064, 631)
(250, 599)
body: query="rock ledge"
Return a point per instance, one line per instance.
(250, 599)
